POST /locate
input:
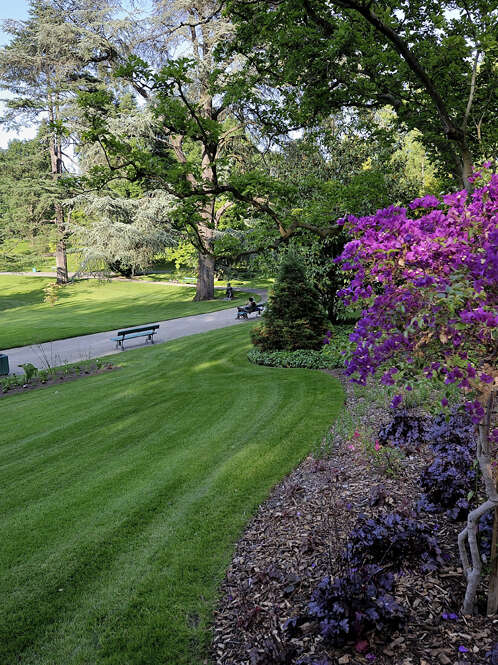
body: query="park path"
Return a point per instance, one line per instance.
(96, 345)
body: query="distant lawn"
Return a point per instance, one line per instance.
(123, 495)
(256, 283)
(90, 306)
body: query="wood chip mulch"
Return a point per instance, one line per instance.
(295, 540)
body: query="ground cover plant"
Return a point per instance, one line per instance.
(334, 353)
(90, 306)
(123, 494)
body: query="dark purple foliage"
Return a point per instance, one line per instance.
(404, 430)
(393, 539)
(447, 481)
(492, 655)
(449, 430)
(350, 606)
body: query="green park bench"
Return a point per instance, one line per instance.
(143, 331)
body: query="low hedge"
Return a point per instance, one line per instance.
(304, 358)
(333, 354)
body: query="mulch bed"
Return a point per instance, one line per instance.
(55, 376)
(295, 540)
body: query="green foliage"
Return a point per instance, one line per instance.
(433, 62)
(304, 358)
(337, 349)
(294, 318)
(29, 371)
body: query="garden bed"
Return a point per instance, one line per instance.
(14, 383)
(295, 540)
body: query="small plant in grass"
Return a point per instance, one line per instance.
(43, 375)
(9, 382)
(52, 292)
(393, 539)
(350, 607)
(293, 318)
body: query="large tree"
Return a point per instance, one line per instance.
(44, 65)
(433, 62)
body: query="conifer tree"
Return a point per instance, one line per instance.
(43, 67)
(294, 318)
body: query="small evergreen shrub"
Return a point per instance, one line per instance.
(349, 607)
(293, 318)
(392, 539)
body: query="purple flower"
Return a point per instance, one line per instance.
(397, 399)
(444, 402)
(486, 378)
(462, 649)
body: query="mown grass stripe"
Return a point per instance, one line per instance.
(130, 495)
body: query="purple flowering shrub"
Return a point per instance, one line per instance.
(393, 539)
(404, 431)
(349, 607)
(427, 278)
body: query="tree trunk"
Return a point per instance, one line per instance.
(467, 169)
(468, 537)
(493, 574)
(205, 277)
(60, 249)
(55, 149)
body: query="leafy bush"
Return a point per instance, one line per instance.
(293, 318)
(392, 539)
(337, 347)
(449, 481)
(404, 431)
(446, 431)
(29, 371)
(348, 607)
(307, 358)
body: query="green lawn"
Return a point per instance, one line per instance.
(123, 495)
(90, 306)
(256, 283)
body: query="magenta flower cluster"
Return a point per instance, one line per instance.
(427, 276)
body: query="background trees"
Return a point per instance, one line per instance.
(433, 63)
(43, 67)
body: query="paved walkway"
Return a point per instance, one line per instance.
(74, 349)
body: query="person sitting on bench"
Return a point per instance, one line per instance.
(250, 306)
